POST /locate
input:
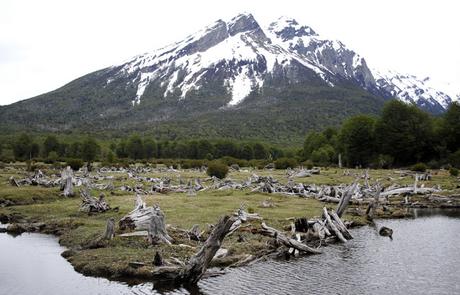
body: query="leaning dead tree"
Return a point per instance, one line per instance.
(194, 270)
(91, 204)
(343, 203)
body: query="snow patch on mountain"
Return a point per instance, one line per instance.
(411, 89)
(244, 54)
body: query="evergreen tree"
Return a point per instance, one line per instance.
(246, 152)
(135, 147)
(89, 150)
(150, 148)
(357, 138)
(205, 149)
(24, 148)
(451, 127)
(51, 144)
(260, 152)
(404, 132)
(314, 141)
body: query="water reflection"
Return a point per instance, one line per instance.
(422, 259)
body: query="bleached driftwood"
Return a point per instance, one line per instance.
(157, 228)
(332, 226)
(66, 182)
(91, 204)
(110, 229)
(13, 182)
(346, 199)
(286, 241)
(196, 268)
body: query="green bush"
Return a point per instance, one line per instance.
(230, 161)
(308, 164)
(419, 167)
(284, 163)
(433, 164)
(259, 164)
(188, 164)
(75, 164)
(217, 169)
(453, 171)
(454, 159)
(52, 157)
(383, 161)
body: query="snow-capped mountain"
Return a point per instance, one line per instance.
(248, 54)
(234, 78)
(412, 89)
(238, 52)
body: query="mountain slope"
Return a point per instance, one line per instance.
(231, 79)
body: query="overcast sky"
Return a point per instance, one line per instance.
(45, 44)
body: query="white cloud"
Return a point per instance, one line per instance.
(45, 44)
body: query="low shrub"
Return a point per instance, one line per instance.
(419, 167)
(74, 163)
(259, 164)
(284, 163)
(453, 171)
(454, 159)
(217, 169)
(188, 164)
(307, 164)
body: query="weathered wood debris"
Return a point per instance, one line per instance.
(67, 182)
(102, 180)
(91, 204)
(196, 267)
(139, 218)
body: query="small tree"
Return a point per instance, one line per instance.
(24, 148)
(51, 144)
(89, 150)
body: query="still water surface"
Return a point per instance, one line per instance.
(422, 258)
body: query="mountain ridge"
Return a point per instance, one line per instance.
(228, 69)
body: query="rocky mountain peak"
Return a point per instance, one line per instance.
(242, 23)
(287, 28)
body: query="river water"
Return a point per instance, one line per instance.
(422, 258)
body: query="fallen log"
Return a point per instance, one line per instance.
(288, 242)
(196, 268)
(13, 182)
(194, 233)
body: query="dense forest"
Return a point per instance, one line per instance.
(401, 136)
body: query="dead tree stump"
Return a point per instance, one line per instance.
(157, 229)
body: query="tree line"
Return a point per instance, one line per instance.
(402, 135)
